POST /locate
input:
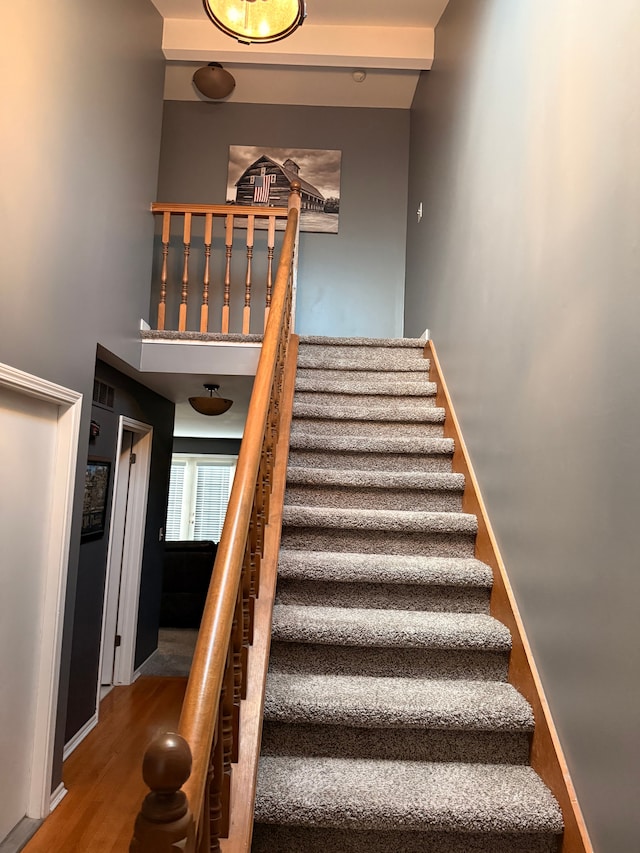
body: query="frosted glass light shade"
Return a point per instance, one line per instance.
(256, 20)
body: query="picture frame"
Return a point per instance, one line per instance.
(94, 506)
(261, 176)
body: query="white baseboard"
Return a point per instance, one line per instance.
(58, 796)
(79, 736)
(426, 335)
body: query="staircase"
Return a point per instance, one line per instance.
(389, 724)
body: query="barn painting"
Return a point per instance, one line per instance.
(261, 176)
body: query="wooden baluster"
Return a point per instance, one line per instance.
(164, 823)
(182, 317)
(271, 242)
(246, 314)
(248, 598)
(237, 640)
(166, 236)
(228, 746)
(204, 311)
(215, 781)
(227, 273)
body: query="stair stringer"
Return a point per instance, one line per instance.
(546, 756)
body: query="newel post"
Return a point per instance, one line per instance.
(295, 201)
(165, 823)
(295, 195)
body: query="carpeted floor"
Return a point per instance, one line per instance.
(388, 723)
(174, 654)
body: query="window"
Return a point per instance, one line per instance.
(199, 489)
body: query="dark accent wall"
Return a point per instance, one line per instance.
(350, 283)
(220, 446)
(139, 403)
(524, 150)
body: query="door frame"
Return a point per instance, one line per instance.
(136, 512)
(69, 406)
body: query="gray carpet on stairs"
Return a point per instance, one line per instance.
(389, 724)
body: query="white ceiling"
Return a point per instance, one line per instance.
(391, 41)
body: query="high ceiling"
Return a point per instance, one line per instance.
(392, 42)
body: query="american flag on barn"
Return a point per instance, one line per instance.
(262, 186)
(267, 182)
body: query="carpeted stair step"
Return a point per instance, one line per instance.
(362, 354)
(393, 490)
(381, 421)
(346, 388)
(366, 358)
(371, 378)
(351, 795)
(446, 534)
(382, 581)
(396, 453)
(396, 719)
(382, 643)
(269, 838)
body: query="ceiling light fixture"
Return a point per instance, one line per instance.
(213, 81)
(210, 405)
(259, 21)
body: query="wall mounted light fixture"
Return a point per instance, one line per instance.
(210, 405)
(213, 81)
(259, 21)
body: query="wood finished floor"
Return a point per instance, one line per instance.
(103, 775)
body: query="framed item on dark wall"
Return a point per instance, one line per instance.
(96, 490)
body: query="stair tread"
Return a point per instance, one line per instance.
(369, 794)
(370, 702)
(398, 343)
(388, 628)
(414, 480)
(327, 361)
(345, 383)
(371, 444)
(393, 414)
(408, 521)
(383, 568)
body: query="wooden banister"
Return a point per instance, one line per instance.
(234, 220)
(211, 709)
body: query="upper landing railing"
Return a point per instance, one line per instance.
(215, 265)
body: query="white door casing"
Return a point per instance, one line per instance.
(39, 429)
(124, 554)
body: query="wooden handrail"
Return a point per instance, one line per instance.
(220, 209)
(209, 719)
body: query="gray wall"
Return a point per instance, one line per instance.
(350, 283)
(133, 401)
(81, 101)
(525, 151)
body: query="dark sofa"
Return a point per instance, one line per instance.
(186, 573)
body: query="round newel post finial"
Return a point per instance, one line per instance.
(164, 819)
(295, 194)
(167, 763)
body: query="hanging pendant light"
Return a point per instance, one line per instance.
(210, 405)
(259, 21)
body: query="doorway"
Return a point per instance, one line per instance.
(39, 431)
(124, 556)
